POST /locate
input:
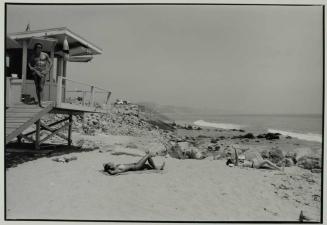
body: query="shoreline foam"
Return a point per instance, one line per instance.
(302, 136)
(203, 123)
(306, 137)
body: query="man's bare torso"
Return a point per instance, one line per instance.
(40, 63)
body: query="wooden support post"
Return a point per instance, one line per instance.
(59, 91)
(64, 74)
(24, 65)
(37, 135)
(83, 101)
(92, 96)
(51, 75)
(59, 66)
(8, 92)
(19, 139)
(70, 129)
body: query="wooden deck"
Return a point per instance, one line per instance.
(67, 107)
(20, 116)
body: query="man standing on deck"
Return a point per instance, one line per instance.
(40, 65)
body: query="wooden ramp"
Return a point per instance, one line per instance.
(20, 116)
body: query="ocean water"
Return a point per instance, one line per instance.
(305, 127)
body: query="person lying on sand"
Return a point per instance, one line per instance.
(254, 160)
(113, 169)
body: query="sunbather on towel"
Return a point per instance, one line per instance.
(142, 164)
(253, 160)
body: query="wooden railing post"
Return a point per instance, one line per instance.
(83, 100)
(59, 90)
(108, 96)
(92, 97)
(24, 66)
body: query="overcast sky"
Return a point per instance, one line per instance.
(242, 59)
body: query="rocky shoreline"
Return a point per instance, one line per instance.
(191, 153)
(187, 141)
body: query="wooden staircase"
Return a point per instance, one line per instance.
(20, 116)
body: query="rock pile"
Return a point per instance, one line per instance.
(185, 150)
(269, 136)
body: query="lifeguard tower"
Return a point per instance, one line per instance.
(62, 95)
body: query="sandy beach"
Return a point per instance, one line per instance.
(186, 190)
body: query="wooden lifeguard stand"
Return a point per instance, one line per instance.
(20, 87)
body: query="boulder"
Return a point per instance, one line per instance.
(276, 155)
(269, 136)
(217, 148)
(309, 162)
(184, 150)
(272, 136)
(301, 152)
(249, 136)
(156, 148)
(214, 141)
(202, 136)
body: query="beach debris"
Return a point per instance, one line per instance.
(64, 159)
(316, 197)
(59, 160)
(283, 187)
(303, 218)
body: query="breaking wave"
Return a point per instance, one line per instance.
(306, 137)
(203, 123)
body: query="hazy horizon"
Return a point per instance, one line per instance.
(179, 109)
(237, 59)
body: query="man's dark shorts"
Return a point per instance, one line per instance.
(39, 82)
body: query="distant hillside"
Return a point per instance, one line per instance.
(152, 112)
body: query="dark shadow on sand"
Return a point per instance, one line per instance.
(16, 154)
